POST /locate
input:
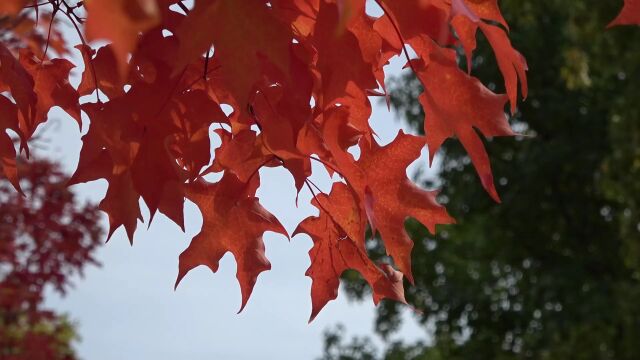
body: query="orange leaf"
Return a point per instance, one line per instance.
(630, 14)
(120, 21)
(233, 221)
(338, 245)
(455, 104)
(51, 83)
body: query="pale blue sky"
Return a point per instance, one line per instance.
(127, 309)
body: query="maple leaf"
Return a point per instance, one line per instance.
(242, 154)
(342, 61)
(120, 21)
(415, 20)
(233, 220)
(487, 10)
(8, 120)
(15, 78)
(338, 237)
(238, 40)
(192, 114)
(11, 7)
(511, 63)
(99, 68)
(380, 176)
(395, 197)
(629, 15)
(51, 83)
(280, 119)
(455, 105)
(301, 14)
(106, 155)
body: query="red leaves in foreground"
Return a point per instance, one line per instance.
(296, 76)
(453, 108)
(233, 221)
(630, 14)
(338, 245)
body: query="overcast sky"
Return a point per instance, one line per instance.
(127, 309)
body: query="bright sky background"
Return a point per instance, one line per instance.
(127, 309)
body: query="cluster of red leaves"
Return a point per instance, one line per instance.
(297, 75)
(45, 238)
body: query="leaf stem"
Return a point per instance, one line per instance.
(68, 13)
(397, 30)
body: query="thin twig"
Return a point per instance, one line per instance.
(198, 80)
(36, 5)
(68, 13)
(206, 64)
(46, 48)
(404, 46)
(183, 7)
(327, 165)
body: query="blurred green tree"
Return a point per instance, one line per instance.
(554, 271)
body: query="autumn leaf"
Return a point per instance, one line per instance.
(106, 155)
(630, 14)
(238, 41)
(415, 20)
(51, 83)
(338, 237)
(452, 107)
(487, 10)
(8, 120)
(15, 78)
(120, 21)
(11, 7)
(98, 67)
(511, 63)
(343, 61)
(381, 172)
(234, 221)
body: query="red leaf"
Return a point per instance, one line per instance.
(630, 14)
(16, 79)
(120, 21)
(242, 154)
(382, 171)
(342, 61)
(8, 120)
(238, 40)
(51, 83)
(455, 104)
(105, 154)
(511, 63)
(487, 10)
(99, 68)
(11, 7)
(234, 221)
(338, 245)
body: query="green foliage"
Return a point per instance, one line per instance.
(554, 271)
